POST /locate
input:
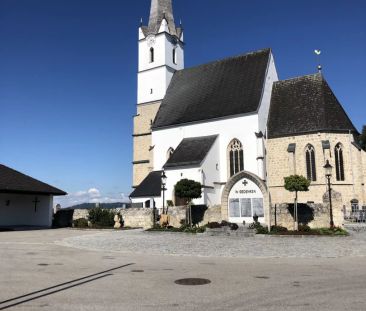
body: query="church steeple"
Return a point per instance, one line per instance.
(161, 52)
(161, 9)
(162, 19)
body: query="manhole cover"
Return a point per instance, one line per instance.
(192, 282)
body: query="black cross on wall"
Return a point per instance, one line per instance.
(245, 183)
(36, 201)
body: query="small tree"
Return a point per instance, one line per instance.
(362, 138)
(188, 190)
(296, 183)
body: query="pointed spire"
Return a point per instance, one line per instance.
(161, 9)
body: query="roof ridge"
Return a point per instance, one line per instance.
(226, 59)
(300, 77)
(11, 170)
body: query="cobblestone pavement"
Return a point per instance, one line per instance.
(179, 244)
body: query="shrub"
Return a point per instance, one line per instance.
(259, 229)
(262, 230)
(213, 225)
(80, 223)
(278, 229)
(101, 217)
(234, 227)
(304, 228)
(225, 223)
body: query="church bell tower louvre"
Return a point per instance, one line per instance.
(161, 53)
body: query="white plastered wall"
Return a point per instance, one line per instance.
(156, 76)
(19, 210)
(241, 127)
(207, 174)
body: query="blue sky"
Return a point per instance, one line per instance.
(68, 74)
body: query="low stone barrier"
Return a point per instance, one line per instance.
(144, 218)
(138, 217)
(311, 214)
(212, 214)
(80, 213)
(201, 215)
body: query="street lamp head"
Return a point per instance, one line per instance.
(328, 169)
(163, 178)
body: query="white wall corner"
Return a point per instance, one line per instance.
(141, 34)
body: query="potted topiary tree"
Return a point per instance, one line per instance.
(296, 183)
(188, 190)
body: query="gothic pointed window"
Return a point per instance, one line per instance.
(310, 163)
(152, 55)
(339, 162)
(236, 157)
(169, 153)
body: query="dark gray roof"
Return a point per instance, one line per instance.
(12, 181)
(191, 151)
(219, 89)
(306, 105)
(150, 186)
(161, 9)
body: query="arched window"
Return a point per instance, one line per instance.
(175, 56)
(339, 163)
(152, 56)
(310, 163)
(236, 157)
(169, 153)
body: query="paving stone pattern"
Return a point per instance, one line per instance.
(179, 244)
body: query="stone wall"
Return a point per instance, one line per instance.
(213, 214)
(281, 163)
(315, 215)
(138, 217)
(142, 141)
(177, 215)
(143, 217)
(80, 213)
(201, 215)
(133, 217)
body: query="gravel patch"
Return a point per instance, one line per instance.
(178, 244)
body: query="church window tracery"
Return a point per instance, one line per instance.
(310, 163)
(236, 157)
(339, 162)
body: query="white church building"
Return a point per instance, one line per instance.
(210, 124)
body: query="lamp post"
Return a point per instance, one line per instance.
(328, 174)
(163, 183)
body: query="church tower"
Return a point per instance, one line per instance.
(161, 53)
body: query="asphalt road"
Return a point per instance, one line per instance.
(36, 273)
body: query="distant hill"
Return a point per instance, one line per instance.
(101, 205)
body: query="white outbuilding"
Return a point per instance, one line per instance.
(25, 201)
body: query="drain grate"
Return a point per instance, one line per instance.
(192, 282)
(43, 264)
(137, 271)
